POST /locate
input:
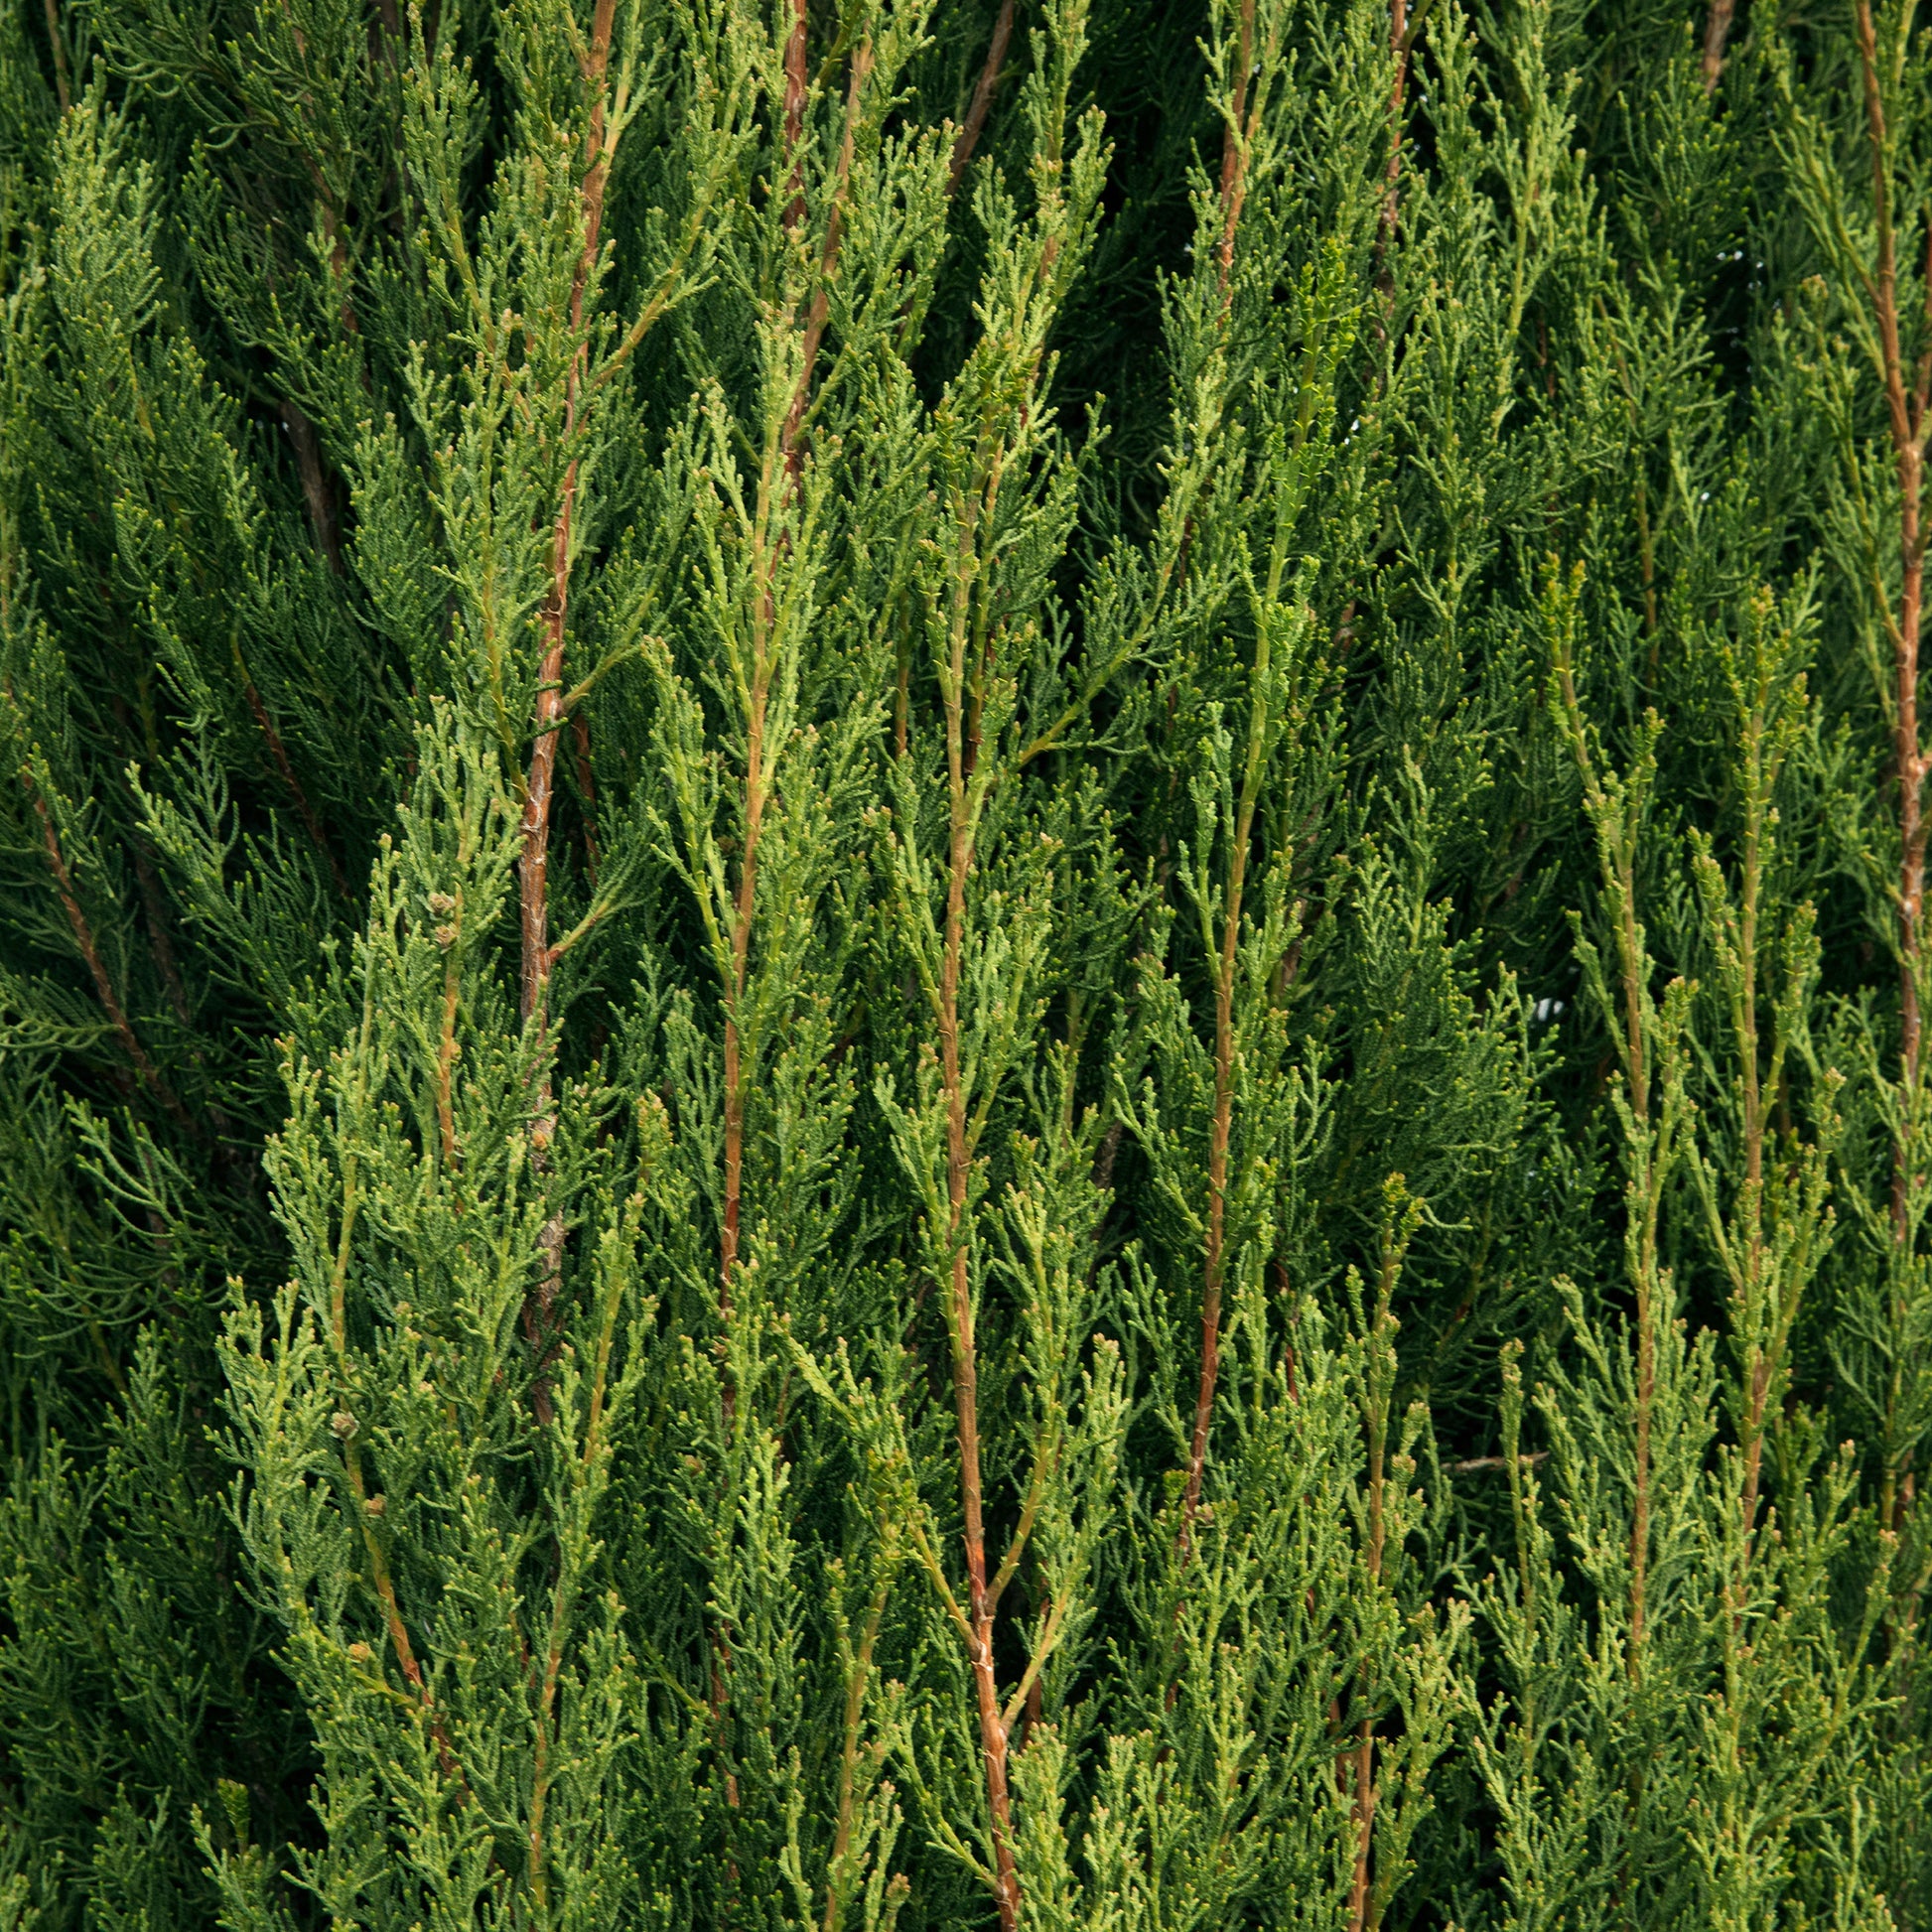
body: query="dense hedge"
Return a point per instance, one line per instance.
(962, 965)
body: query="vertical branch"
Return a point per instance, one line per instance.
(1362, 1910)
(1759, 1363)
(982, 102)
(316, 491)
(959, 1314)
(777, 484)
(1236, 145)
(796, 90)
(63, 90)
(1617, 821)
(278, 754)
(820, 307)
(1400, 44)
(534, 863)
(1905, 416)
(83, 938)
(743, 907)
(1717, 30)
(369, 1509)
(447, 937)
(969, 779)
(840, 1873)
(1214, 1265)
(587, 1479)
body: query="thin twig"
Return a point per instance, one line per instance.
(982, 102)
(83, 937)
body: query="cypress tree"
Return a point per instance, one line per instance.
(963, 965)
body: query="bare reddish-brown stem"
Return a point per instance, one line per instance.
(1907, 416)
(1398, 88)
(534, 863)
(1235, 141)
(982, 102)
(1214, 1269)
(796, 87)
(993, 1731)
(533, 904)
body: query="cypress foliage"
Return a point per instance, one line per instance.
(963, 965)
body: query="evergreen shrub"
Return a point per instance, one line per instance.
(962, 964)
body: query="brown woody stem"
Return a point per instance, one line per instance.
(1234, 159)
(315, 491)
(534, 863)
(1717, 30)
(63, 92)
(993, 1731)
(982, 102)
(1907, 420)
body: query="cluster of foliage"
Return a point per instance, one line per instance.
(963, 965)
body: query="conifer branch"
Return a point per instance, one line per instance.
(990, 74)
(1402, 1217)
(278, 754)
(1616, 808)
(449, 937)
(1401, 40)
(316, 491)
(841, 1874)
(797, 88)
(83, 939)
(539, 783)
(1906, 414)
(346, 1428)
(62, 92)
(580, 729)
(1716, 31)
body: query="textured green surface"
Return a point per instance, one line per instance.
(758, 760)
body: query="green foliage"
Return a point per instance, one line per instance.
(963, 965)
